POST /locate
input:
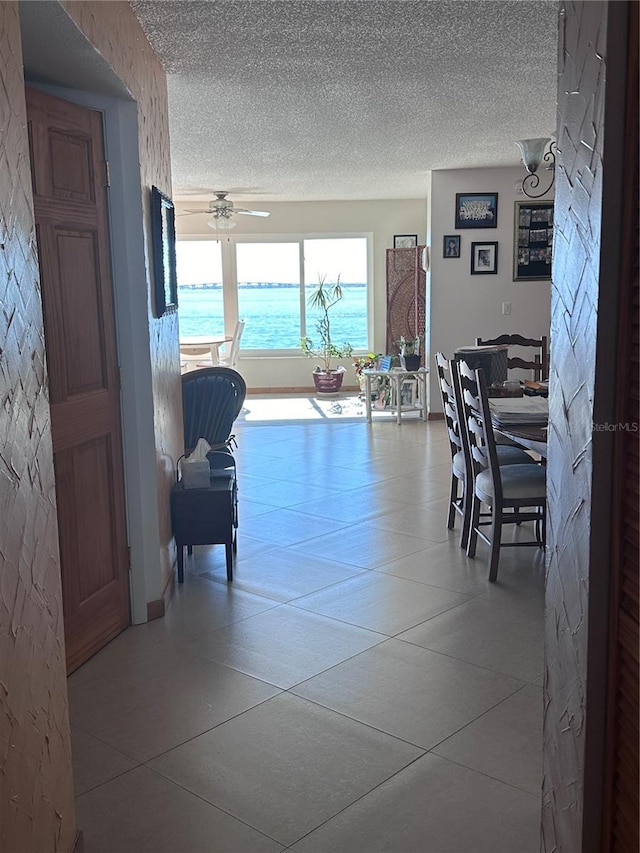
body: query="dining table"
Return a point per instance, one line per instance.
(197, 344)
(523, 420)
(530, 437)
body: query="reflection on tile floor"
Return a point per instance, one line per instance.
(359, 688)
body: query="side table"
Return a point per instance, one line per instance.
(396, 378)
(206, 517)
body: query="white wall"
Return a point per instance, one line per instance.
(381, 219)
(465, 306)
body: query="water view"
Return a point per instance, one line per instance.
(272, 312)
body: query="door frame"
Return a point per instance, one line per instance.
(125, 217)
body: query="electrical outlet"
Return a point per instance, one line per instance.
(506, 309)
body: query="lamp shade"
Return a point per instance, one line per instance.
(532, 152)
(221, 223)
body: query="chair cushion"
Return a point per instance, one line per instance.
(513, 455)
(457, 463)
(519, 482)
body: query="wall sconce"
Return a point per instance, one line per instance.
(534, 152)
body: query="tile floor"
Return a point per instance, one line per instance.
(359, 688)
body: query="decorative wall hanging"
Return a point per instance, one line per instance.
(533, 240)
(406, 298)
(163, 239)
(484, 258)
(476, 210)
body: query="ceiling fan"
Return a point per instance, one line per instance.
(223, 210)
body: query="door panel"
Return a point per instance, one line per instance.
(73, 243)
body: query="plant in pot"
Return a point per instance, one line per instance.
(409, 349)
(364, 362)
(328, 380)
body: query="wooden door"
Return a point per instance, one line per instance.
(68, 169)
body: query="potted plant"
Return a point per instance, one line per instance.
(409, 349)
(326, 379)
(364, 362)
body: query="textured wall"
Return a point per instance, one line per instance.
(574, 321)
(36, 794)
(114, 30)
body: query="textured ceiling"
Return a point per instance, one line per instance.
(327, 100)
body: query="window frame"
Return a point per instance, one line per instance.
(228, 246)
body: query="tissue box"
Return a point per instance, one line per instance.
(195, 474)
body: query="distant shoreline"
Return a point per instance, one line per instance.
(255, 285)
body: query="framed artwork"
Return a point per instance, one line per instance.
(405, 241)
(533, 240)
(163, 241)
(408, 394)
(451, 246)
(476, 210)
(484, 258)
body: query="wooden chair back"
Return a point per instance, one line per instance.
(480, 436)
(449, 403)
(539, 363)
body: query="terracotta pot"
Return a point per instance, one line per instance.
(328, 383)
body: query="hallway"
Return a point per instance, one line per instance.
(359, 688)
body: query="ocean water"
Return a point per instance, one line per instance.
(272, 313)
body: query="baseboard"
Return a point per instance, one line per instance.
(294, 389)
(78, 844)
(155, 609)
(435, 416)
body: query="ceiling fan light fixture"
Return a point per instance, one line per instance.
(221, 223)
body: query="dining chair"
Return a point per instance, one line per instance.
(458, 467)
(508, 454)
(193, 357)
(514, 493)
(539, 363)
(231, 360)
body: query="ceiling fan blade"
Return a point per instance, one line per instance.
(251, 212)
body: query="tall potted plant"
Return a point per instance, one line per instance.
(326, 379)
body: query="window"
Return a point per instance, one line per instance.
(268, 276)
(199, 268)
(269, 283)
(345, 257)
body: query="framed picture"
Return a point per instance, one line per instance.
(408, 394)
(163, 239)
(405, 241)
(533, 240)
(381, 400)
(451, 246)
(484, 258)
(476, 210)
